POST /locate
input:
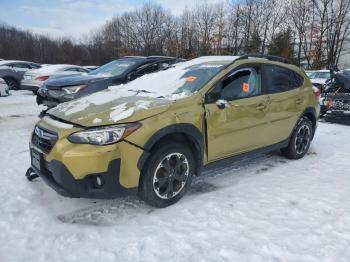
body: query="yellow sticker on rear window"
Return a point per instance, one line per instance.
(246, 88)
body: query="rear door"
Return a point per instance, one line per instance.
(20, 69)
(282, 86)
(236, 114)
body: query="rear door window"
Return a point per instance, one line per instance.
(21, 65)
(72, 69)
(278, 79)
(147, 69)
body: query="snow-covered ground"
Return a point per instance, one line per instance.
(262, 209)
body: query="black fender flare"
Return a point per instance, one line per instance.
(188, 130)
(308, 110)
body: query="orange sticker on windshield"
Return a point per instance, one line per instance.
(246, 87)
(191, 78)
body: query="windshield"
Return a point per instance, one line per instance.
(176, 82)
(180, 80)
(195, 77)
(311, 74)
(114, 68)
(323, 75)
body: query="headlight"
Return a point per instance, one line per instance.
(103, 135)
(73, 89)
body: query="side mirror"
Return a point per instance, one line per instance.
(221, 103)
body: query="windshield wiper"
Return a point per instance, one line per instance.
(140, 91)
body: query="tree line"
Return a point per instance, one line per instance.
(312, 33)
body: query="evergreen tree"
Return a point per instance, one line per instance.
(282, 44)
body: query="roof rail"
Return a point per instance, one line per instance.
(133, 56)
(158, 57)
(268, 57)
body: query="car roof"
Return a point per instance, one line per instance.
(4, 62)
(148, 58)
(53, 68)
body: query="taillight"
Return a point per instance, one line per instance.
(42, 78)
(316, 91)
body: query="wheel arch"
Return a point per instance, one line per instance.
(187, 134)
(310, 113)
(9, 77)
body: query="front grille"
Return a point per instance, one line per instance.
(44, 139)
(341, 104)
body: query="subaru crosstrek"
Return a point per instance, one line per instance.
(152, 135)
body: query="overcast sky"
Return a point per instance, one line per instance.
(74, 18)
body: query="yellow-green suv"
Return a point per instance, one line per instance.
(152, 135)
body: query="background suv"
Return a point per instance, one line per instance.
(153, 134)
(114, 73)
(12, 71)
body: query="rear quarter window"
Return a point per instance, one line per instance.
(278, 79)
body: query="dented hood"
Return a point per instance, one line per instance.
(89, 112)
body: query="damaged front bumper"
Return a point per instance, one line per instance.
(83, 170)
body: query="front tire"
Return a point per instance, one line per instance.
(300, 141)
(167, 175)
(12, 84)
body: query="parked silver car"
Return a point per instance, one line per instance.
(34, 79)
(12, 71)
(4, 88)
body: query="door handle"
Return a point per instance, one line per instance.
(236, 106)
(260, 107)
(298, 101)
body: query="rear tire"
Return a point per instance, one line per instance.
(13, 85)
(167, 175)
(300, 141)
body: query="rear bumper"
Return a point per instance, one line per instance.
(58, 177)
(340, 114)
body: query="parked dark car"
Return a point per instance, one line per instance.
(335, 101)
(116, 72)
(12, 71)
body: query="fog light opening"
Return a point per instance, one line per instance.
(98, 182)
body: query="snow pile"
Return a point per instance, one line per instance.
(266, 208)
(121, 112)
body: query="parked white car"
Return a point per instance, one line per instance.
(34, 79)
(319, 78)
(4, 88)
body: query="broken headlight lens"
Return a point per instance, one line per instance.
(73, 89)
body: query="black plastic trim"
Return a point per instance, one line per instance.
(58, 177)
(186, 129)
(217, 163)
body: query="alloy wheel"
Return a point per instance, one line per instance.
(302, 139)
(171, 175)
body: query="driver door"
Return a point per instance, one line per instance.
(236, 114)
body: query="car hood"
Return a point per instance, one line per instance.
(91, 112)
(320, 81)
(74, 80)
